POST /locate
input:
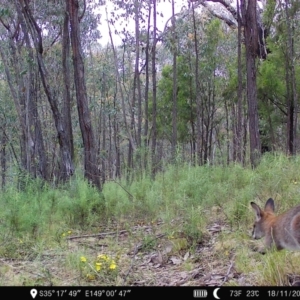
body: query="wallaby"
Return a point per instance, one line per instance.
(282, 230)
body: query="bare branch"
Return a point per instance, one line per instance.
(83, 12)
(226, 12)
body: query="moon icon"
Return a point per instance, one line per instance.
(215, 293)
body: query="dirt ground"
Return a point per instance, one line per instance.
(145, 256)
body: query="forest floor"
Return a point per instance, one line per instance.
(142, 255)
(191, 226)
(148, 254)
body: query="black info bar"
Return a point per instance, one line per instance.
(140, 292)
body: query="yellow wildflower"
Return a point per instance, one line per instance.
(69, 232)
(83, 259)
(90, 276)
(98, 266)
(112, 265)
(102, 256)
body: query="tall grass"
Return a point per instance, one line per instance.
(178, 192)
(181, 196)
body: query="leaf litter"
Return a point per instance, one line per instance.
(148, 257)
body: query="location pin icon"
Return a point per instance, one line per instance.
(33, 293)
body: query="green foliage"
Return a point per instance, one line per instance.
(178, 191)
(185, 100)
(35, 209)
(214, 65)
(82, 205)
(149, 242)
(274, 91)
(185, 198)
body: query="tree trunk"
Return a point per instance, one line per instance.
(239, 129)
(154, 89)
(22, 87)
(137, 81)
(91, 171)
(250, 32)
(174, 102)
(192, 114)
(213, 110)
(199, 119)
(234, 131)
(227, 132)
(32, 117)
(292, 95)
(3, 152)
(147, 80)
(117, 163)
(67, 84)
(119, 87)
(230, 15)
(102, 150)
(23, 132)
(67, 163)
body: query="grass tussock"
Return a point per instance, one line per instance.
(172, 215)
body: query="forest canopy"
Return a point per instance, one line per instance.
(218, 83)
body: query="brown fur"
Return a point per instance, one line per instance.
(283, 230)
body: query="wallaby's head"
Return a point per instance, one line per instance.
(263, 218)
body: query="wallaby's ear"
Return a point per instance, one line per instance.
(257, 210)
(270, 206)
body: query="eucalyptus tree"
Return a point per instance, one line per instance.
(66, 73)
(147, 81)
(249, 17)
(254, 34)
(8, 137)
(174, 87)
(154, 88)
(138, 89)
(29, 15)
(91, 170)
(238, 121)
(199, 110)
(37, 67)
(291, 9)
(201, 74)
(3, 155)
(21, 79)
(120, 68)
(278, 78)
(106, 109)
